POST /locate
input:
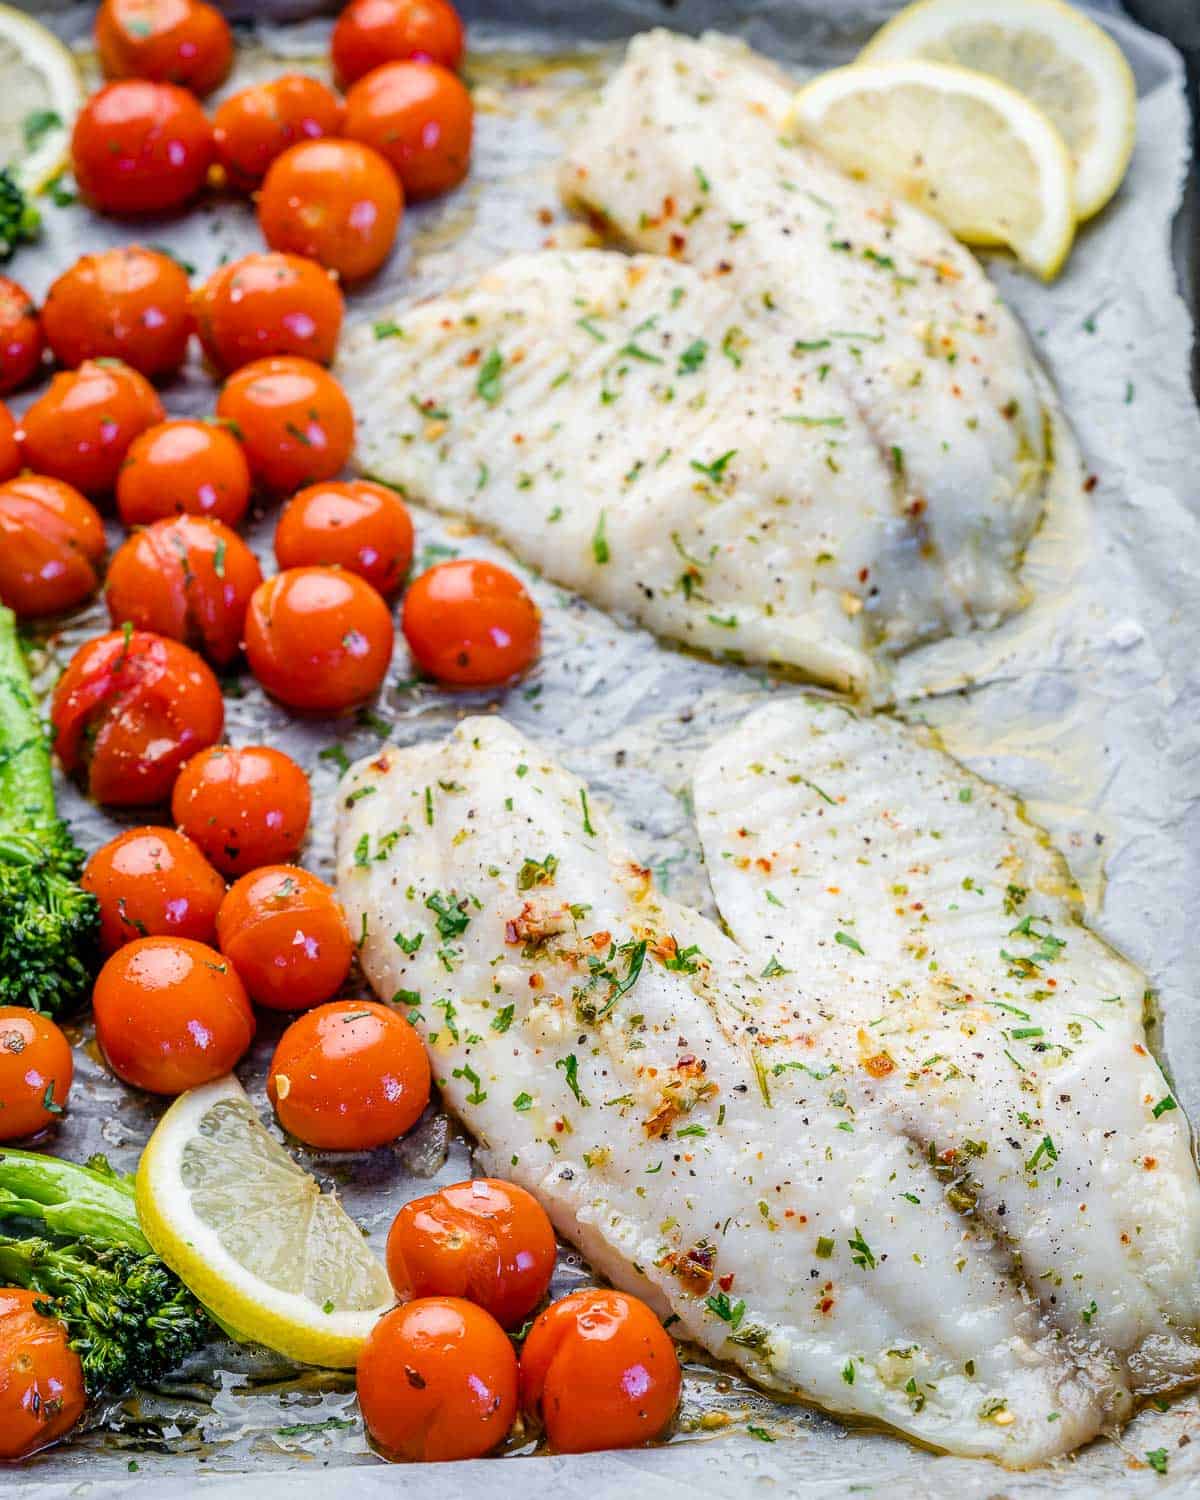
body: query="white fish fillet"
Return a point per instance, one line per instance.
(944, 933)
(672, 1108)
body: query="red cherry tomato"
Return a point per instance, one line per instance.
(437, 1380)
(245, 806)
(21, 339)
(170, 41)
(337, 202)
(153, 882)
(319, 639)
(189, 578)
(471, 624)
(286, 934)
(257, 124)
(10, 447)
(171, 1014)
(41, 1380)
(193, 468)
(51, 546)
(349, 1076)
(600, 1372)
(268, 304)
(140, 148)
(292, 418)
(36, 1069)
(81, 428)
(126, 303)
(420, 117)
(129, 710)
(356, 525)
(487, 1241)
(372, 32)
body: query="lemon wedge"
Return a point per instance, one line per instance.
(968, 150)
(251, 1234)
(1050, 52)
(40, 95)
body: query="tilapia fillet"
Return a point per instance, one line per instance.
(671, 1103)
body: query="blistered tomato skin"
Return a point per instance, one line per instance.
(269, 304)
(257, 124)
(126, 303)
(80, 429)
(183, 467)
(293, 419)
(352, 524)
(370, 33)
(420, 118)
(21, 339)
(153, 882)
(245, 806)
(186, 42)
(469, 623)
(10, 447)
(36, 1069)
(286, 934)
(41, 1379)
(51, 546)
(140, 148)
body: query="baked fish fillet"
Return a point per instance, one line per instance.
(674, 1108)
(994, 1029)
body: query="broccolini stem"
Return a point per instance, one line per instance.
(69, 1199)
(26, 783)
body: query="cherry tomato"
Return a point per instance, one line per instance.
(337, 202)
(257, 124)
(197, 468)
(126, 303)
(487, 1241)
(286, 934)
(41, 1380)
(171, 1014)
(189, 578)
(292, 418)
(471, 624)
(269, 304)
(372, 32)
(319, 639)
(36, 1069)
(170, 41)
(349, 1076)
(51, 546)
(140, 148)
(10, 447)
(419, 117)
(245, 807)
(129, 710)
(600, 1372)
(21, 338)
(437, 1380)
(153, 882)
(80, 429)
(355, 524)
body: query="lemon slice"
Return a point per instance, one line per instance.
(40, 95)
(968, 150)
(252, 1235)
(1048, 51)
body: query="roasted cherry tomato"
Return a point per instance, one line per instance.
(487, 1241)
(437, 1380)
(292, 418)
(419, 117)
(41, 1380)
(257, 124)
(370, 33)
(36, 1069)
(267, 304)
(140, 148)
(21, 338)
(10, 447)
(126, 303)
(319, 638)
(189, 578)
(153, 882)
(51, 546)
(171, 1014)
(193, 468)
(129, 710)
(471, 624)
(170, 41)
(338, 202)
(81, 428)
(600, 1372)
(286, 934)
(353, 524)
(245, 806)
(349, 1076)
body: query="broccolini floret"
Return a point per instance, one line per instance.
(19, 220)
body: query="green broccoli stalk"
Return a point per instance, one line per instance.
(19, 220)
(48, 923)
(129, 1318)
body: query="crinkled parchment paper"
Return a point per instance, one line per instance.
(1088, 705)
